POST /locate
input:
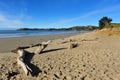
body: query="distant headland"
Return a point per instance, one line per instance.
(71, 28)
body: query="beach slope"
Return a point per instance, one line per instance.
(96, 57)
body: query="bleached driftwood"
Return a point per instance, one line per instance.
(72, 44)
(22, 55)
(41, 47)
(21, 59)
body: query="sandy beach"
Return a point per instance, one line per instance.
(7, 44)
(96, 57)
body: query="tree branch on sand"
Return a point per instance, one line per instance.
(22, 55)
(21, 59)
(41, 47)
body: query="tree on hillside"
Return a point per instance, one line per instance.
(104, 21)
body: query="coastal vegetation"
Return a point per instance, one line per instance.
(105, 22)
(106, 27)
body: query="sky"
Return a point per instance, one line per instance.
(56, 13)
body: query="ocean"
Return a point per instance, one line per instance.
(23, 33)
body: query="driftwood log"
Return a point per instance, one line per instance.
(41, 47)
(21, 59)
(72, 44)
(22, 55)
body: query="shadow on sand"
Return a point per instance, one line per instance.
(34, 68)
(51, 50)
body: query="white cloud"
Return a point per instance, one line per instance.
(75, 18)
(9, 23)
(10, 20)
(89, 14)
(2, 18)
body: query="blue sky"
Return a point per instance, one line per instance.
(56, 13)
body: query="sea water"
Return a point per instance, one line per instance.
(23, 33)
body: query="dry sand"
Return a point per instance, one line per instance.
(95, 58)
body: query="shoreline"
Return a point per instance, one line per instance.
(15, 33)
(74, 33)
(10, 43)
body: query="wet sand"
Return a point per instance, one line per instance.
(7, 44)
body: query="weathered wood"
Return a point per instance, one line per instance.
(42, 47)
(72, 45)
(22, 55)
(20, 61)
(25, 47)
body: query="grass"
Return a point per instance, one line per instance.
(113, 29)
(116, 25)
